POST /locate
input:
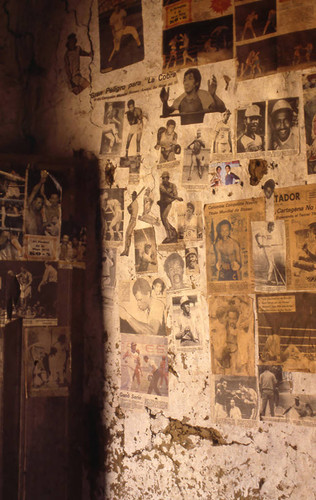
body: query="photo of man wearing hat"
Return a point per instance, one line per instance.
(283, 131)
(191, 260)
(250, 139)
(168, 194)
(187, 329)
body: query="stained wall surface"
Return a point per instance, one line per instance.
(207, 227)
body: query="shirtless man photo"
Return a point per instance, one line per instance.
(227, 252)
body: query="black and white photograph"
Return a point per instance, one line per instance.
(112, 128)
(194, 102)
(224, 173)
(272, 385)
(73, 245)
(192, 265)
(269, 255)
(29, 291)
(167, 142)
(310, 131)
(255, 19)
(121, 33)
(145, 251)
(300, 408)
(142, 312)
(168, 196)
(280, 401)
(236, 398)
(296, 50)
(43, 204)
(287, 330)
(187, 324)
(109, 259)
(149, 214)
(257, 59)
(112, 210)
(43, 216)
(48, 361)
(174, 270)
(283, 133)
(226, 250)
(107, 172)
(251, 128)
(195, 162)
(222, 143)
(303, 240)
(190, 223)
(232, 334)
(213, 42)
(133, 164)
(132, 209)
(134, 125)
(12, 196)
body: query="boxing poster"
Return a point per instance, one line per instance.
(229, 245)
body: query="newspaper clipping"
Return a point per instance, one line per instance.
(29, 290)
(42, 222)
(268, 252)
(12, 195)
(296, 205)
(232, 335)
(112, 129)
(142, 312)
(112, 210)
(286, 396)
(236, 398)
(145, 251)
(309, 94)
(121, 33)
(204, 22)
(144, 372)
(228, 244)
(287, 330)
(187, 325)
(195, 163)
(48, 361)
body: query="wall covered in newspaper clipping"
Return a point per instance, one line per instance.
(202, 116)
